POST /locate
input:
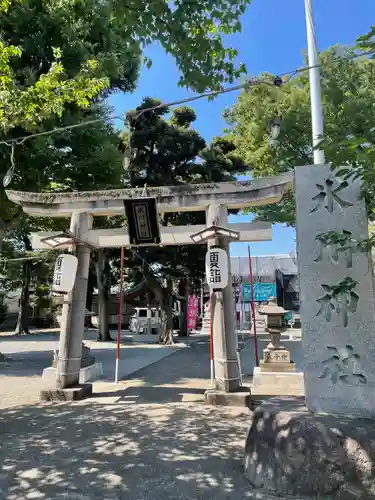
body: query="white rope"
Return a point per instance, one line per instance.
(226, 379)
(58, 359)
(68, 359)
(67, 373)
(224, 361)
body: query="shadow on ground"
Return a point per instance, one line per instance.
(32, 363)
(122, 451)
(163, 447)
(149, 438)
(155, 395)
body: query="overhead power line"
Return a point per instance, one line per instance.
(206, 95)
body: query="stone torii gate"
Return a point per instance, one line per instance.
(337, 316)
(215, 199)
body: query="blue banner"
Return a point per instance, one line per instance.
(262, 292)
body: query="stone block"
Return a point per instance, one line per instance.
(90, 373)
(90, 360)
(75, 393)
(242, 397)
(277, 367)
(291, 452)
(337, 295)
(49, 377)
(276, 356)
(278, 383)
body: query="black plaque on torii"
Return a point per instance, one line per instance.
(143, 223)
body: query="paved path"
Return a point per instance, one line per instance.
(20, 381)
(149, 438)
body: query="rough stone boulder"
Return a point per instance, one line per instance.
(291, 452)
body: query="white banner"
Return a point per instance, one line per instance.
(65, 273)
(217, 268)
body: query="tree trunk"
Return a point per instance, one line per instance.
(166, 334)
(5, 225)
(103, 327)
(102, 270)
(23, 313)
(183, 330)
(2, 234)
(90, 294)
(183, 293)
(164, 296)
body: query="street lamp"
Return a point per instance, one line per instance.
(8, 177)
(65, 238)
(275, 128)
(215, 232)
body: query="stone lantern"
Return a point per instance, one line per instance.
(274, 351)
(276, 373)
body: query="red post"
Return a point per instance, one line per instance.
(212, 365)
(253, 309)
(187, 306)
(120, 302)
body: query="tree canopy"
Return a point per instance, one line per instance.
(27, 106)
(83, 158)
(118, 31)
(57, 55)
(349, 114)
(59, 59)
(166, 150)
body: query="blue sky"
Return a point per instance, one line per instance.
(273, 39)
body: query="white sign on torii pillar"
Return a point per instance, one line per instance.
(81, 207)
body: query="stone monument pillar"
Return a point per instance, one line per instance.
(326, 450)
(337, 293)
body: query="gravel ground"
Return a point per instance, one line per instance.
(148, 438)
(20, 381)
(152, 438)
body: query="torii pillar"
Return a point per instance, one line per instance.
(74, 309)
(68, 364)
(228, 388)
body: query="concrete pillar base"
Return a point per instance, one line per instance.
(241, 397)
(87, 374)
(277, 367)
(75, 393)
(278, 383)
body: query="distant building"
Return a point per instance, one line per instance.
(273, 276)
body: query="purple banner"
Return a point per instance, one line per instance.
(192, 311)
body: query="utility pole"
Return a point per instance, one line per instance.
(315, 88)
